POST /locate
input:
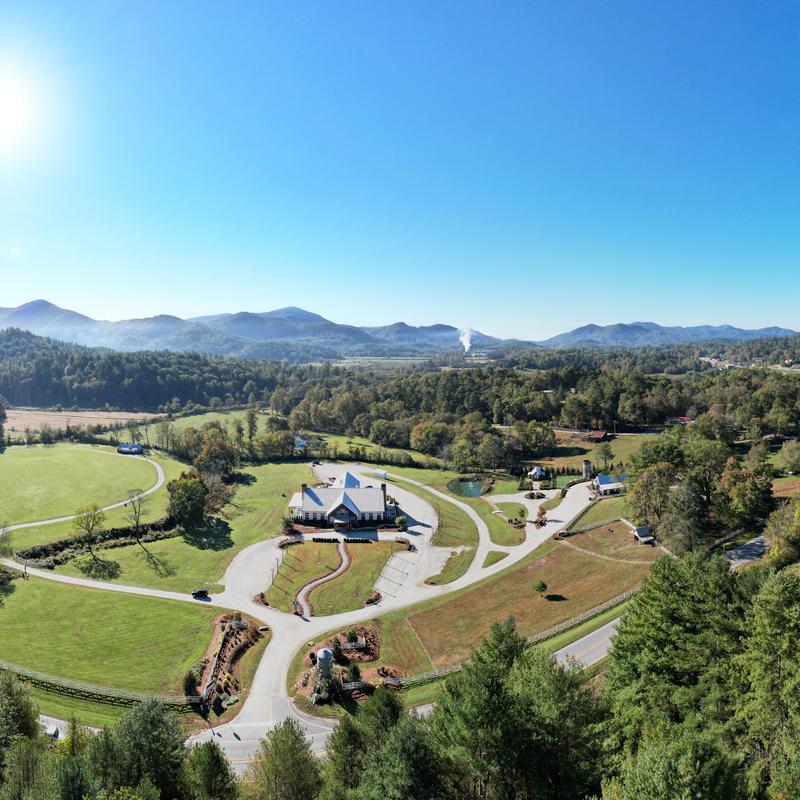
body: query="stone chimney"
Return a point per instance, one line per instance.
(303, 490)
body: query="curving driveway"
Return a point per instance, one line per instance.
(268, 702)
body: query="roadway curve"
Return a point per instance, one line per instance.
(268, 702)
(154, 488)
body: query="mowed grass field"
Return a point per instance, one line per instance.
(572, 448)
(115, 640)
(156, 506)
(352, 588)
(343, 445)
(200, 557)
(46, 481)
(302, 564)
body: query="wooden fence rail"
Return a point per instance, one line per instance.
(90, 691)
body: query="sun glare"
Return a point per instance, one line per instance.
(19, 111)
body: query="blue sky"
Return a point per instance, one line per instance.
(520, 168)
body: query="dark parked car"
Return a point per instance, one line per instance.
(200, 594)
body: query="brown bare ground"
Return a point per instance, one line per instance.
(37, 418)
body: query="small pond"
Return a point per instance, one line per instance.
(466, 488)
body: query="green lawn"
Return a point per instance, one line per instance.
(605, 509)
(549, 505)
(500, 531)
(46, 481)
(352, 588)
(200, 558)
(115, 640)
(302, 564)
(156, 508)
(492, 557)
(513, 510)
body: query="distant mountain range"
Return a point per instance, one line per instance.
(298, 335)
(643, 334)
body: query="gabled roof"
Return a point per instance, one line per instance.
(324, 499)
(347, 480)
(345, 500)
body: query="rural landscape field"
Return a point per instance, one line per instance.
(399, 402)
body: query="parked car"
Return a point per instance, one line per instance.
(200, 594)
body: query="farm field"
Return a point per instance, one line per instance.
(615, 541)
(38, 418)
(302, 564)
(115, 640)
(46, 481)
(352, 588)
(200, 557)
(572, 448)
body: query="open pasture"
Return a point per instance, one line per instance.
(46, 481)
(115, 640)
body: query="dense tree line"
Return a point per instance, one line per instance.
(387, 407)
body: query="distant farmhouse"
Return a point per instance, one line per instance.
(609, 484)
(343, 504)
(130, 449)
(596, 436)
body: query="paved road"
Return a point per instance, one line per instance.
(154, 488)
(747, 552)
(251, 572)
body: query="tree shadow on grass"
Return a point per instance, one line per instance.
(241, 479)
(213, 534)
(554, 597)
(159, 565)
(99, 568)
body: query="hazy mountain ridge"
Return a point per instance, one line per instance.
(642, 334)
(297, 335)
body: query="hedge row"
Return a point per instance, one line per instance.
(60, 551)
